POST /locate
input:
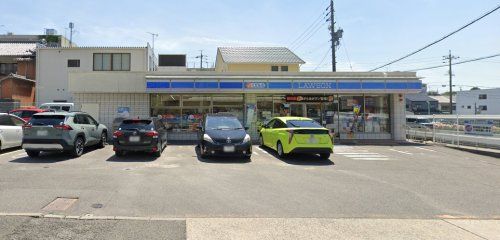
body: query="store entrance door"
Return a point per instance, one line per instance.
(309, 110)
(297, 110)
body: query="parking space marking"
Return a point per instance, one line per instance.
(363, 155)
(421, 148)
(403, 152)
(16, 151)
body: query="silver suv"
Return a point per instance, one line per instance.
(62, 131)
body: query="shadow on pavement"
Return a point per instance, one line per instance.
(133, 157)
(300, 159)
(220, 159)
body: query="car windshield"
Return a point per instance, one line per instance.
(139, 124)
(47, 120)
(303, 124)
(23, 114)
(223, 123)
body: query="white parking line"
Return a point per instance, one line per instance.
(16, 151)
(403, 152)
(264, 151)
(371, 158)
(255, 152)
(425, 149)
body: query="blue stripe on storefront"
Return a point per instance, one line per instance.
(182, 84)
(287, 85)
(230, 85)
(349, 85)
(373, 85)
(396, 85)
(155, 85)
(414, 85)
(279, 85)
(206, 85)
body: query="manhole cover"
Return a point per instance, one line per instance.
(60, 204)
(97, 205)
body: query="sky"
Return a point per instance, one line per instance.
(375, 31)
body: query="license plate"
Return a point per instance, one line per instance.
(228, 149)
(42, 133)
(312, 139)
(134, 139)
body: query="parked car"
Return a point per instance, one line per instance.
(62, 131)
(58, 106)
(223, 135)
(11, 131)
(296, 135)
(140, 135)
(27, 112)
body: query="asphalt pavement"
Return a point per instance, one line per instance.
(384, 185)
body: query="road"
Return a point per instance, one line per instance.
(379, 183)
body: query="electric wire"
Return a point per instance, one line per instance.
(439, 40)
(456, 63)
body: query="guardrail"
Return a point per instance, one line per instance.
(476, 131)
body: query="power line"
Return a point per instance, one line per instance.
(322, 60)
(456, 63)
(309, 35)
(311, 26)
(439, 40)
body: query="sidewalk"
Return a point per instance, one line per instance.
(54, 227)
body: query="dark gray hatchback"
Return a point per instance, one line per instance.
(140, 135)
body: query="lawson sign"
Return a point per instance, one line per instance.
(336, 85)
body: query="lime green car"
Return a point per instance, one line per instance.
(296, 135)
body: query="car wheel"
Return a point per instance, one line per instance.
(261, 140)
(324, 156)
(78, 147)
(202, 152)
(104, 140)
(158, 152)
(279, 149)
(33, 153)
(119, 153)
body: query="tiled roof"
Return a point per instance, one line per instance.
(259, 55)
(17, 49)
(15, 76)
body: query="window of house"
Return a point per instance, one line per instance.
(284, 68)
(73, 62)
(111, 61)
(468, 107)
(8, 68)
(483, 108)
(274, 68)
(483, 96)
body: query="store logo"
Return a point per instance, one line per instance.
(256, 85)
(315, 85)
(228, 140)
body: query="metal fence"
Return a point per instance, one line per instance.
(467, 130)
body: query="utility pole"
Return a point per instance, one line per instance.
(335, 36)
(450, 73)
(201, 57)
(71, 26)
(153, 36)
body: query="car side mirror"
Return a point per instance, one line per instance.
(246, 128)
(200, 128)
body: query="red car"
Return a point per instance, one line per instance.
(27, 112)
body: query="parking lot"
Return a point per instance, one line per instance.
(411, 181)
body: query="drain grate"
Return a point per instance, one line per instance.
(60, 204)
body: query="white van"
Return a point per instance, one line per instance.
(56, 106)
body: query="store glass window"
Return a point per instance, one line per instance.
(376, 117)
(264, 109)
(351, 110)
(230, 104)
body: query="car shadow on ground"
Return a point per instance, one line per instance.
(300, 159)
(52, 157)
(220, 159)
(133, 157)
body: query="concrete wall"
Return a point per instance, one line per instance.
(109, 102)
(53, 73)
(398, 117)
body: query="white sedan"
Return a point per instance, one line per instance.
(11, 131)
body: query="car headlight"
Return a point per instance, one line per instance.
(246, 139)
(207, 138)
